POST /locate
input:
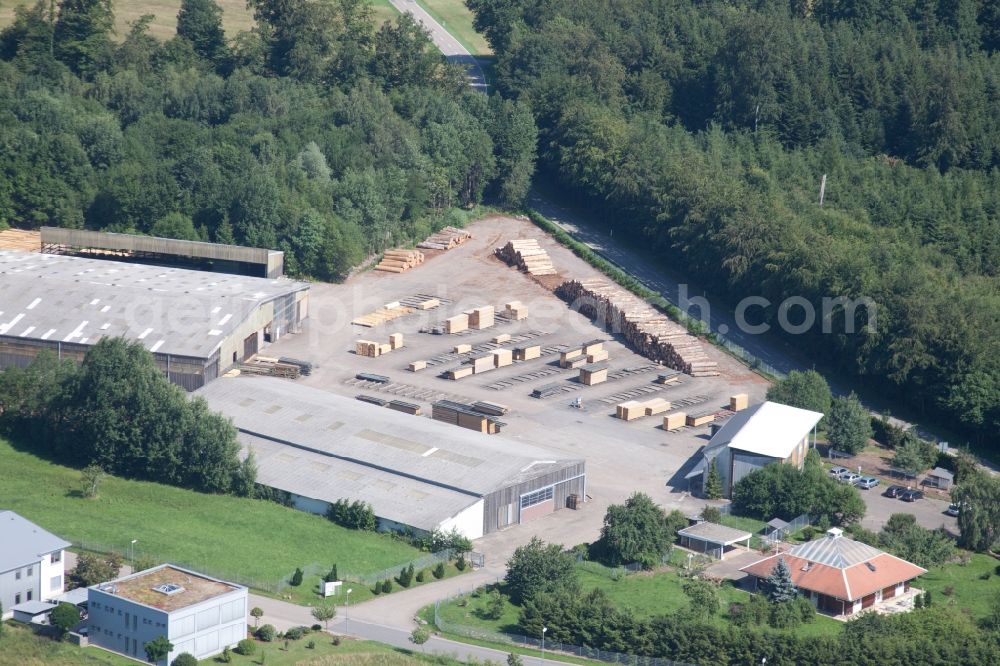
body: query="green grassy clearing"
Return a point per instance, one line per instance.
(235, 15)
(19, 646)
(751, 525)
(970, 591)
(456, 18)
(220, 534)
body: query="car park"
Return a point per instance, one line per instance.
(894, 491)
(867, 482)
(850, 478)
(837, 472)
(952, 510)
(911, 495)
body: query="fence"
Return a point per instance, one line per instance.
(794, 526)
(535, 643)
(135, 554)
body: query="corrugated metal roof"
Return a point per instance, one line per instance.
(715, 533)
(169, 310)
(835, 551)
(768, 429)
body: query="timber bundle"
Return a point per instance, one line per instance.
(400, 260)
(446, 239)
(646, 330)
(527, 255)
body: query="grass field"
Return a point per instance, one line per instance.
(235, 15)
(971, 589)
(647, 594)
(456, 18)
(20, 647)
(221, 534)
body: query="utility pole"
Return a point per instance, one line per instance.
(822, 189)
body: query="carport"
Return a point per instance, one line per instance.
(712, 539)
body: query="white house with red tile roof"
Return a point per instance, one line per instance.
(839, 575)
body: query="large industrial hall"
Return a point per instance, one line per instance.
(197, 324)
(415, 472)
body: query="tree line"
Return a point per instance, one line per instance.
(316, 132)
(702, 132)
(118, 411)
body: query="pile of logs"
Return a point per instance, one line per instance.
(400, 260)
(446, 239)
(647, 331)
(527, 255)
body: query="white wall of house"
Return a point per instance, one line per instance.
(468, 522)
(52, 574)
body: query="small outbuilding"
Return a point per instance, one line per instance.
(712, 539)
(776, 528)
(33, 612)
(940, 478)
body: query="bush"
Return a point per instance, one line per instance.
(246, 647)
(460, 563)
(711, 514)
(438, 570)
(335, 641)
(377, 590)
(494, 606)
(331, 575)
(421, 575)
(267, 633)
(386, 586)
(405, 576)
(295, 633)
(355, 515)
(296, 578)
(311, 645)
(317, 627)
(808, 532)
(184, 659)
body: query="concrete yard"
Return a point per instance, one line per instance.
(622, 457)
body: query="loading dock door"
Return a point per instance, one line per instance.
(250, 345)
(537, 503)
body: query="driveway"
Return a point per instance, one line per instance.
(929, 512)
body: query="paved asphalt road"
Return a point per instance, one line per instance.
(446, 43)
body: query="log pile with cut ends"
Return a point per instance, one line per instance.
(400, 260)
(527, 255)
(446, 239)
(647, 331)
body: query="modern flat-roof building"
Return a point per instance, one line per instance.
(415, 472)
(840, 576)
(31, 563)
(198, 614)
(196, 324)
(763, 434)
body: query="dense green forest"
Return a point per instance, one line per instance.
(317, 132)
(702, 130)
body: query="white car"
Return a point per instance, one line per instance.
(837, 472)
(850, 478)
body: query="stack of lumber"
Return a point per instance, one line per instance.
(502, 338)
(305, 367)
(389, 312)
(527, 255)
(21, 240)
(417, 366)
(701, 418)
(271, 367)
(527, 353)
(674, 421)
(446, 239)
(405, 407)
(367, 348)
(548, 389)
(371, 399)
(395, 340)
(400, 260)
(502, 357)
(515, 310)
(459, 372)
(483, 363)
(656, 406)
(462, 348)
(739, 402)
(627, 411)
(456, 324)
(594, 373)
(369, 377)
(481, 317)
(491, 408)
(646, 330)
(429, 304)
(466, 416)
(669, 377)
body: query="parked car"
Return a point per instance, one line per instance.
(867, 482)
(952, 510)
(850, 478)
(894, 491)
(911, 495)
(837, 472)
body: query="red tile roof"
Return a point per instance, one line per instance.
(848, 583)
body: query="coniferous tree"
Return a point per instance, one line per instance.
(200, 22)
(713, 482)
(778, 587)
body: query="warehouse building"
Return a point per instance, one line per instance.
(196, 324)
(250, 261)
(416, 473)
(761, 435)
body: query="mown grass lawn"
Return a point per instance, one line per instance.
(647, 594)
(19, 646)
(215, 533)
(973, 587)
(457, 19)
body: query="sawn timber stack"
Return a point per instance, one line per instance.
(646, 330)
